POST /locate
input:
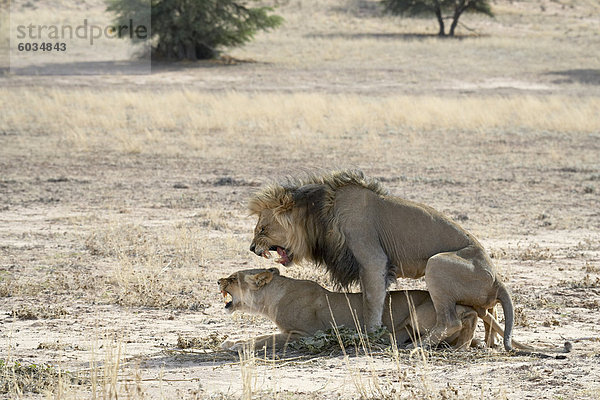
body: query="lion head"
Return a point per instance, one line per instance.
(287, 216)
(296, 219)
(270, 234)
(241, 286)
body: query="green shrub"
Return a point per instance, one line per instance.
(195, 29)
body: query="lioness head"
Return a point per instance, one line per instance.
(242, 287)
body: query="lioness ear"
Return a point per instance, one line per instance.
(274, 270)
(259, 280)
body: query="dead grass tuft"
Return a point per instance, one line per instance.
(210, 342)
(333, 340)
(587, 282)
(153, 269)
(534, 252)
(521, 318)
(17, 378)
(28, 312)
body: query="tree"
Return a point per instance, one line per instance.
(438, 7)
(195, 29)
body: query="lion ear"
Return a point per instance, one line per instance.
(275, 198)
(274, 270)
(309, 195)
(259, 280)
(286, 203)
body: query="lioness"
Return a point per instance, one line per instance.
(350, 224)
(301, 308)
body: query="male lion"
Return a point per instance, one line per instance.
(350, 224)
(301, 308)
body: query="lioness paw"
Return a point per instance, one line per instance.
(227, 345)
(232, 345)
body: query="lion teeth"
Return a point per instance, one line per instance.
(226, 296)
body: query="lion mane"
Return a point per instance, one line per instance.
(305, 207)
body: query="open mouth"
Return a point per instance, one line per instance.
(228, 299)
(285, 258)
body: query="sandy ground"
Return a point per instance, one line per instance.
(536, 218)
(109, 259)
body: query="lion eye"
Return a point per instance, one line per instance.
(262, 230)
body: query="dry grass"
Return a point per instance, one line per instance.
(27, 312)
(17, 378)
(211, 342)
(112, 377)
(167, 121)
(107, 378)
(534, 252)
(163, 270)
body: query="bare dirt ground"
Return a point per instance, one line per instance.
(115, 223)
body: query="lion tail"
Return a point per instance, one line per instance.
(509, 314)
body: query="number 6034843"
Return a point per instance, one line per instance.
(44, 46)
